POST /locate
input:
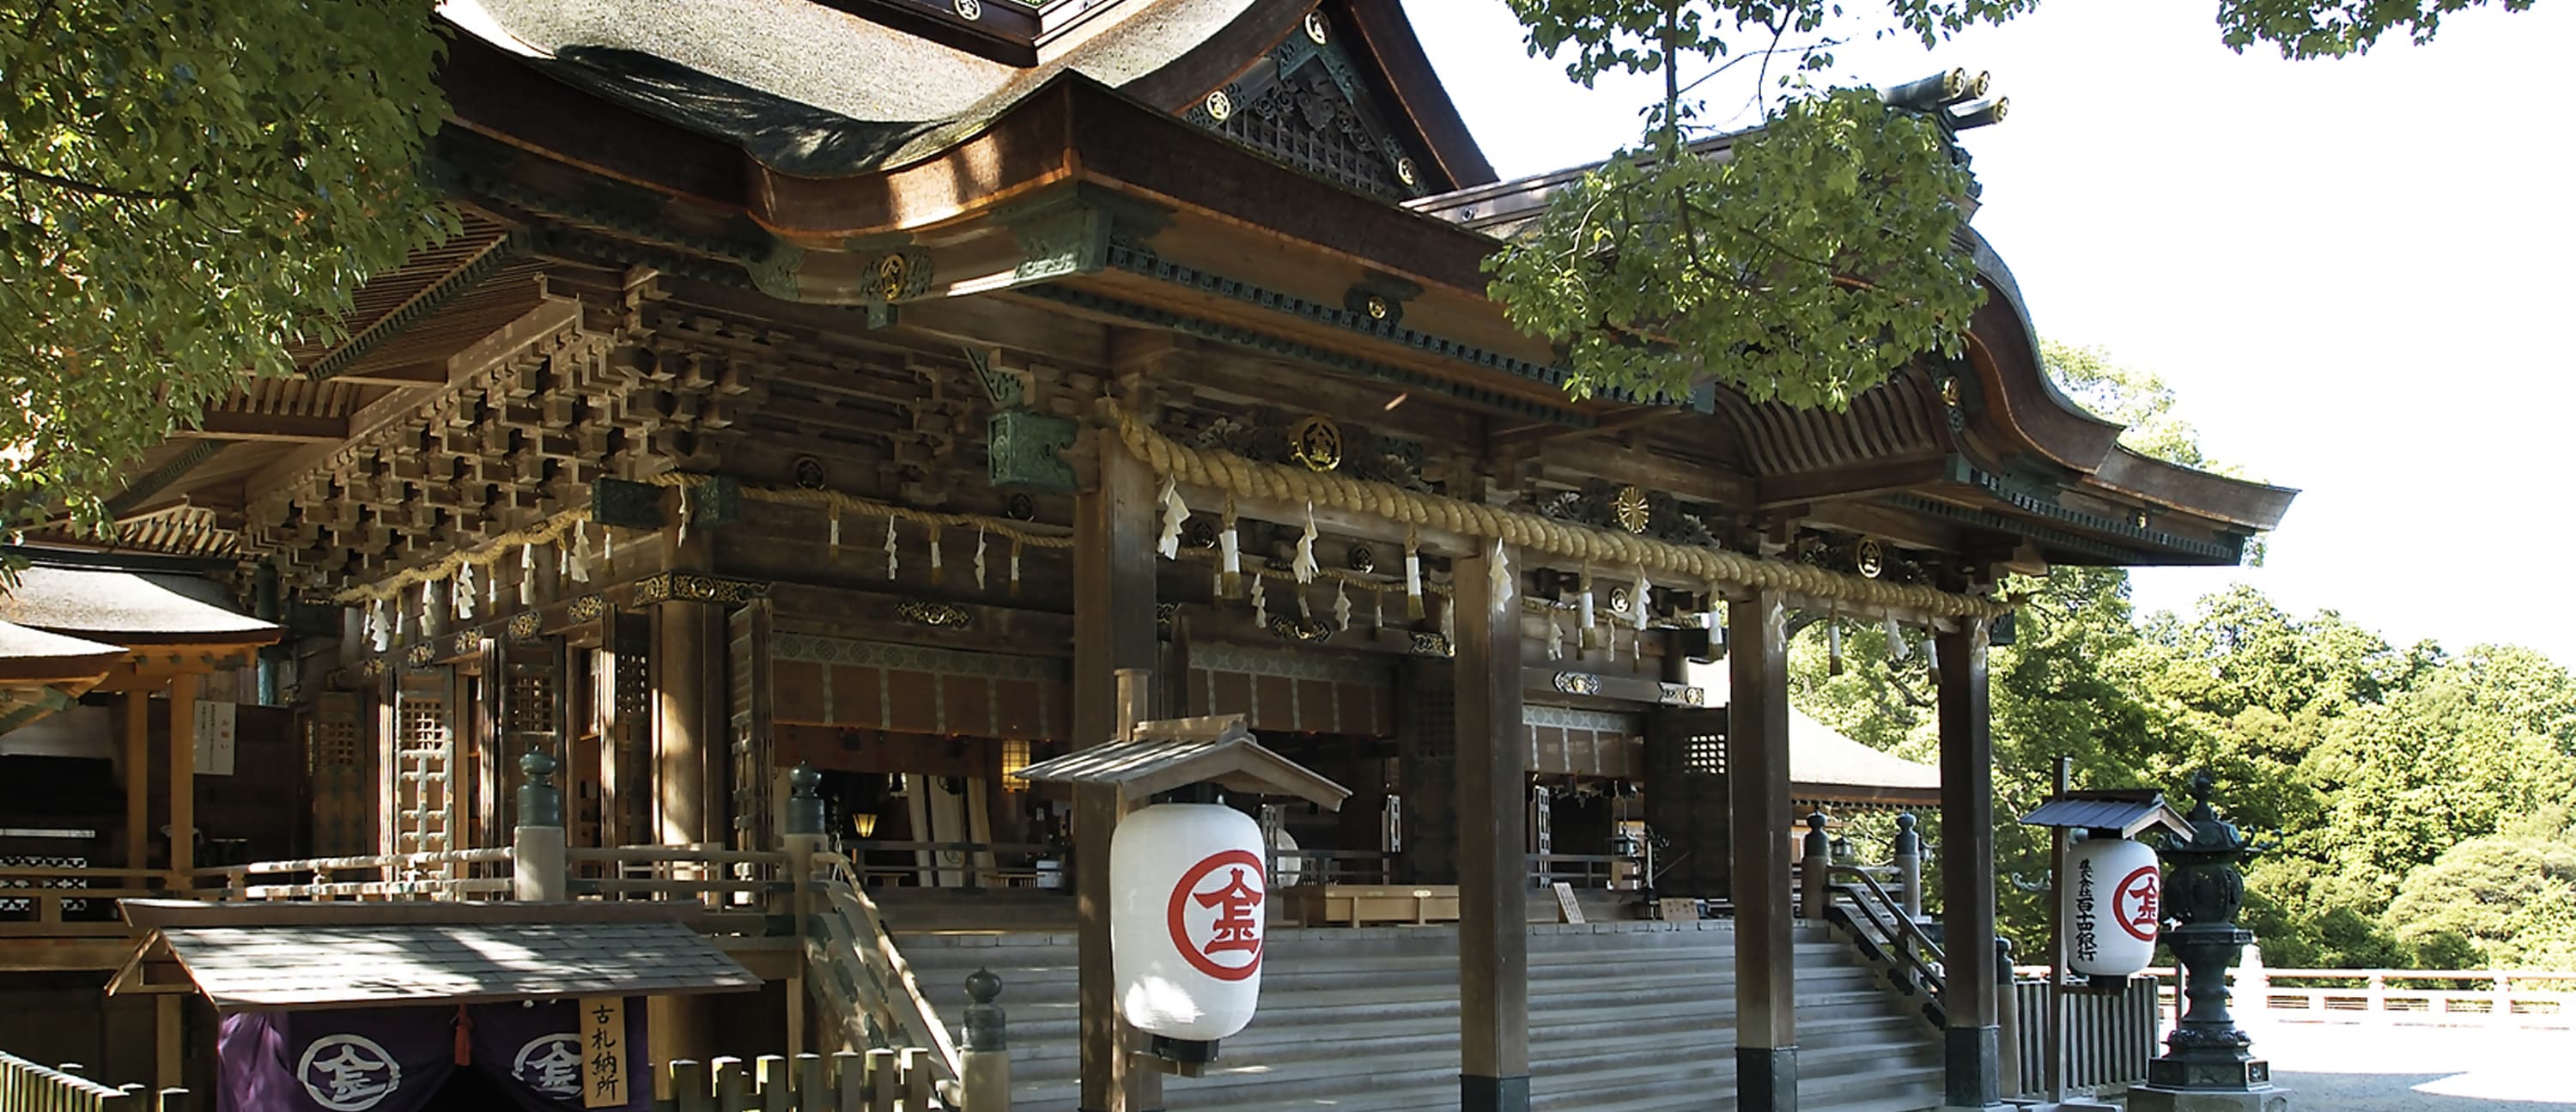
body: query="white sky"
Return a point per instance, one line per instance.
(2353, 272)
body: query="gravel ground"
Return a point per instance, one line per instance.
(2381, 1068)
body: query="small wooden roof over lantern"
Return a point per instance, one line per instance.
(2131, 811)
(1168, 754)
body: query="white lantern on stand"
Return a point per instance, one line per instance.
(1189, 897)
(2114, 896)
(1187, 905)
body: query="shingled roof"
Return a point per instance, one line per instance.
(1826, 767)
(33, 654)
(129, 608)
(326, 956)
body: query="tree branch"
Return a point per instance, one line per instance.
(30, 173)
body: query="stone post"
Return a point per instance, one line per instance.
(538, 870)
(2208, 1065)
(985, 1054)
(1815, 868)
(1909, 866)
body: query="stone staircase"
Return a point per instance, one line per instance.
(1624, 1017)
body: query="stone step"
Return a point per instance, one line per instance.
(1634, 1017)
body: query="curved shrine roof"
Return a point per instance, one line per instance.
(129, 608)
(33, 654)
(861, 136)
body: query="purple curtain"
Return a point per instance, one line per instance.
(535, 1052)
(398, 1059)
(359, 1060)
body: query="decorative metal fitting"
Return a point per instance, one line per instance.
(1316, 442)
(936, 615)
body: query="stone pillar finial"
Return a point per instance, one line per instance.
(540, 801)
(804, 800)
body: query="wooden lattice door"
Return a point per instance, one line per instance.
(424, 765)
(342, 767)
(749, 713)
(1686, 804)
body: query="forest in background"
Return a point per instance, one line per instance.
(2414, 801)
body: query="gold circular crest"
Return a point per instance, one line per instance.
(1220, 106)
(971, 9)
(1315, 28)
(1377, 308)
(1317, 443)
(1404, 170)
(893, 272)
(1950, 391)
(1628, 507)
(1869, 558)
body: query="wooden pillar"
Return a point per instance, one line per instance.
(1757, 769)
(688, 733)
(681, 742)
(1493, 862)
(1113, 632)
(138, 782)
(183, 780)
(169, 1041)
(1972, 1040)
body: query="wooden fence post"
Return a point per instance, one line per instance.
(849, 1081)
(689, 1086)
(776, 1086)
(883, 1079)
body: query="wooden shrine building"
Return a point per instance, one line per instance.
(869, 383)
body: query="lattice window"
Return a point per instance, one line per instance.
(530, 705)
(335, 743)
(1704, 755)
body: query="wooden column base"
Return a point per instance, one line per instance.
(1766, 1079)
(1972, 1060)
(1493, 1094)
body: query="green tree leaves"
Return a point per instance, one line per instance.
(2336, 28)
(187, 187)
(2399, 785)
(1805, 263)
(1802, 261)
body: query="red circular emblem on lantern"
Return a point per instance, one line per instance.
(2138, 904)
(1228, 885)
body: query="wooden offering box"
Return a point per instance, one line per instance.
(1353, 905)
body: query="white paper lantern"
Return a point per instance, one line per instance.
(2114, 900)
(1187, 907)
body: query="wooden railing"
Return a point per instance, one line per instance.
(1582, 870)
(1332, 866)
(456, 874)
(977, 865)
(1879, 923)
(61, 903)
(2437, 997)
(28, 1087)
(860, 975)
(742, 893)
